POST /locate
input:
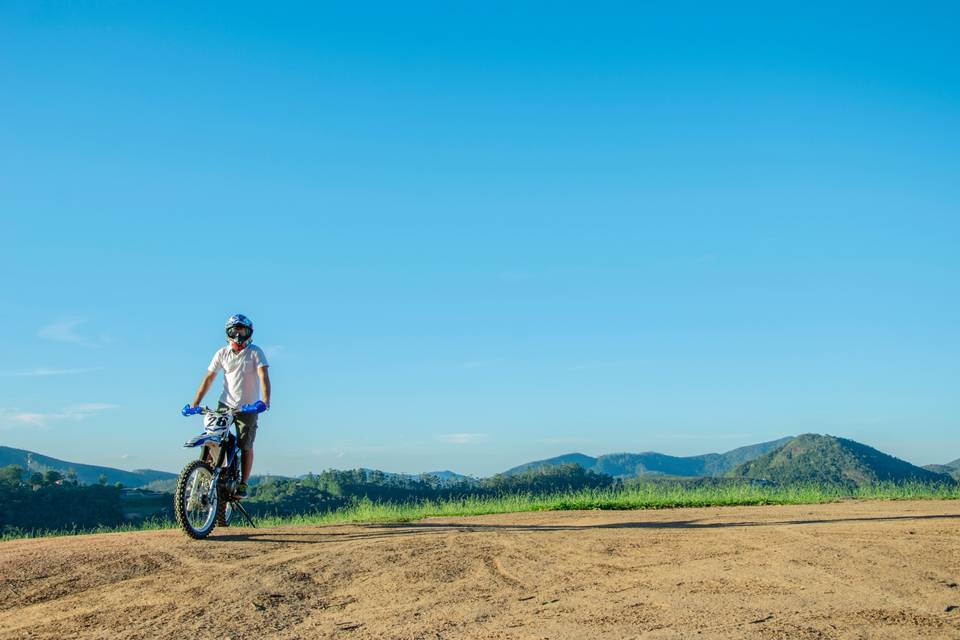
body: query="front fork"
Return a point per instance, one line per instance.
(214, 484)
(211, 490)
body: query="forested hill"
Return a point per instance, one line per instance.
(579, 459)
(831, 460)
(808, 457)
(85, 473)
(952, 469)
(627, 465)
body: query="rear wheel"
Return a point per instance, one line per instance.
(195, 505)
(224, 513)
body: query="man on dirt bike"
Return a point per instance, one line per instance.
(243, 363)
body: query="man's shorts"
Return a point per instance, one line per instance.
(246, 427)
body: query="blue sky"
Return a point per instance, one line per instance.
(471, 236)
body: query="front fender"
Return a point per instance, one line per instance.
(202, 439)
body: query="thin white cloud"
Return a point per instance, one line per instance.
(38, 372)
(272, 350)
(462, 438)
(72, 413)
(28, 418)
(89, 407)
(66, 331)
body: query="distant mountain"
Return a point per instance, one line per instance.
(951, 469)
(445, 477)
(628, 465)
(740, 455)
(832, 460)
(161, 481)
(86, 473)
(449, 476)
(637, 464)
(809, 458)
(942, 468)
(576, 458)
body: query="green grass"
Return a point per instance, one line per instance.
(145, 525)
(643, 496)
(646, 496)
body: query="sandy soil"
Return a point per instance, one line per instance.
(849, 570)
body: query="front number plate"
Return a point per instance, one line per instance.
(214, 421)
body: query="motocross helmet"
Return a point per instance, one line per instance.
(239, 330)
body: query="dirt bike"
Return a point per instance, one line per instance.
(205, 495)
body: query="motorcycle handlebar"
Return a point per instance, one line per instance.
(257, 407)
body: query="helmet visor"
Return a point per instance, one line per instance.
(239, 332)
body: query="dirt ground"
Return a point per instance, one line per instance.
(847, 570)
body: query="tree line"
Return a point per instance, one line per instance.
(334, 489)
(55, 501)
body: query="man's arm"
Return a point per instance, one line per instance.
(204, 387)
(264, 384)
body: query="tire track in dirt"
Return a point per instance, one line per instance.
(874, 568)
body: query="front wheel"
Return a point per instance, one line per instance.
(195, 505)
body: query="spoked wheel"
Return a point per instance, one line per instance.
(195, 505)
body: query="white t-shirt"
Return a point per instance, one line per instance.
(241, 384)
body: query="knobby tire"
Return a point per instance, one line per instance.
(180, 504)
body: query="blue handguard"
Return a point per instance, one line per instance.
(257, 407)
(190, 411)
